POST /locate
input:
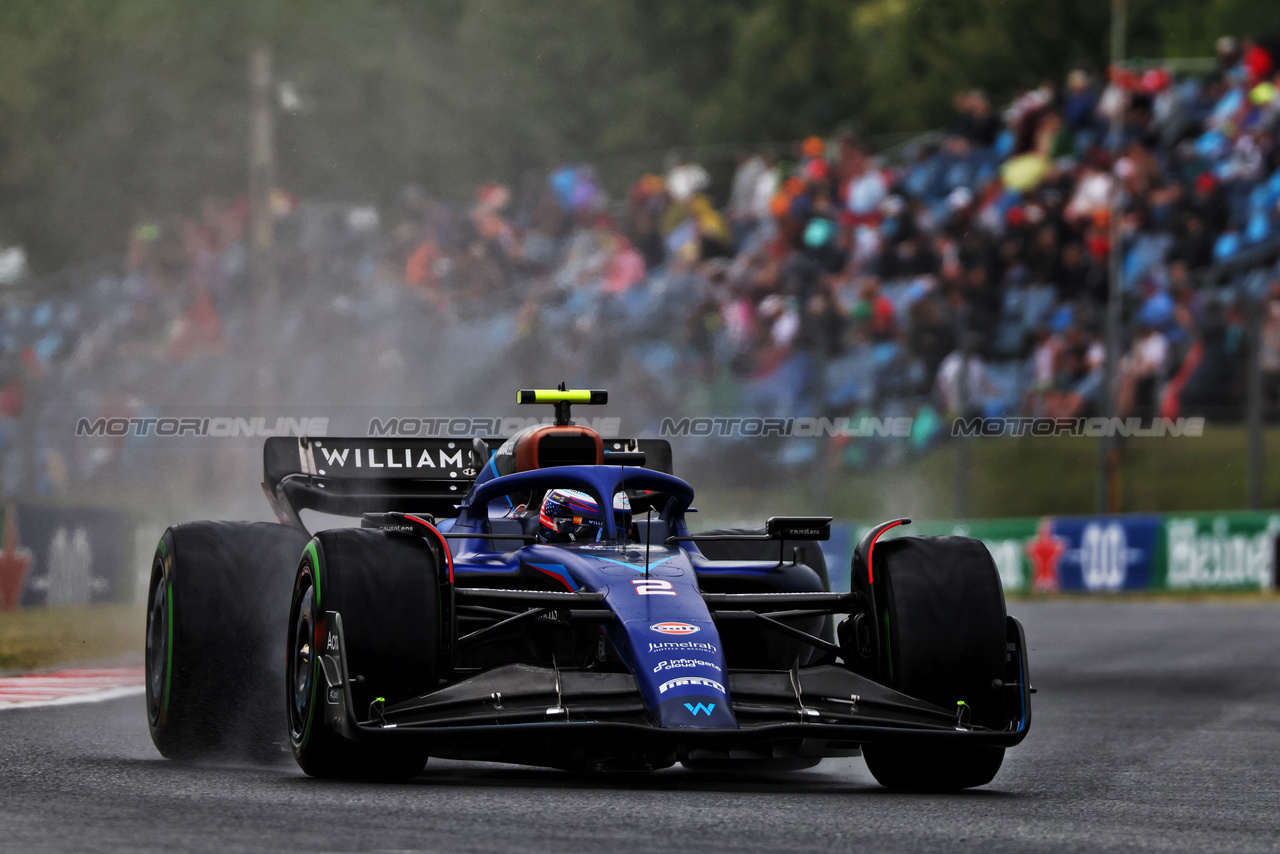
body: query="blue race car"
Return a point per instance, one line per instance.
(541, 600)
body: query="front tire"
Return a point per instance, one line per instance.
(384, 585)
(942, 637)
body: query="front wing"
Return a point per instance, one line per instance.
(546, 716)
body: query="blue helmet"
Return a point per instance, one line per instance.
(568, 515)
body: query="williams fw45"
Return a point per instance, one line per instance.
(541, 600)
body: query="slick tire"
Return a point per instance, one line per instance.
(384, 585)
(942, 623)
(218, 604)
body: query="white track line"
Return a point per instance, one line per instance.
(69, 687)
(95, 697)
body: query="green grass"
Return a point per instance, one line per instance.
(42, 637)
(1020, 477)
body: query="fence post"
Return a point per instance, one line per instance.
(963, 465)
(1253, 399)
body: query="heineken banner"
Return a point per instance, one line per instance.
(1221, 551)
(1181, 552)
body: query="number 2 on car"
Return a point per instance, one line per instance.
(653, 587)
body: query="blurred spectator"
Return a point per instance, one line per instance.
(842, 283)
(1141, 371)
(962, 392)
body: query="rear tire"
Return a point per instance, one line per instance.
(942, 630)
(384, 585)
(218, 603)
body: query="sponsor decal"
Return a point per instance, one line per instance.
(700, 709)
(1105, 556)
(684, 664)
(1221, 552)
(682, 646)
(388, 458)
(1045, 551)
(695, 681)
(331, 642)
(1107, 553)
(653, 587)
(675, 628)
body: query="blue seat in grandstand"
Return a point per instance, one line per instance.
(1146, 252)
(900, 292)
(1228, 244)
(850, 379)
(658, 357)
(920, 177)
(799, 452)
(782, 392)
(1037, 305)
(1007, 378)
(661, 362)
(1009, 338)
(43, 315)
(985, 164)
(1022, 311)
(883, 354)
(640, 301)
(1259, 227)
(1004, 144)
(959, 173)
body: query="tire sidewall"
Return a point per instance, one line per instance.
(302, 732)
(161, 572)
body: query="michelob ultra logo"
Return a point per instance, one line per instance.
(674, 628)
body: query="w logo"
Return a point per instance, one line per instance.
(700, 709)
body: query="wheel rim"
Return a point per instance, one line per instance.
(302, 659)
(157, 646)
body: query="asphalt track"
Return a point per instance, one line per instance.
(1156, 728)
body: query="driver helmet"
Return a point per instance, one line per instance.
(568, 515)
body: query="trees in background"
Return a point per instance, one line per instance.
(115, 109)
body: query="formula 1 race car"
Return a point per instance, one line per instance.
(541, 600)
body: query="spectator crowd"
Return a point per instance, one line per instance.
(825, 279)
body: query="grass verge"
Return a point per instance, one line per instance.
(42, 637)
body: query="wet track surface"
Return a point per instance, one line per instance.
(1156, 728)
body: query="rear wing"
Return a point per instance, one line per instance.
(352, 476)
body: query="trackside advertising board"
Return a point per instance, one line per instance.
(59, 556)
(1176, 552)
